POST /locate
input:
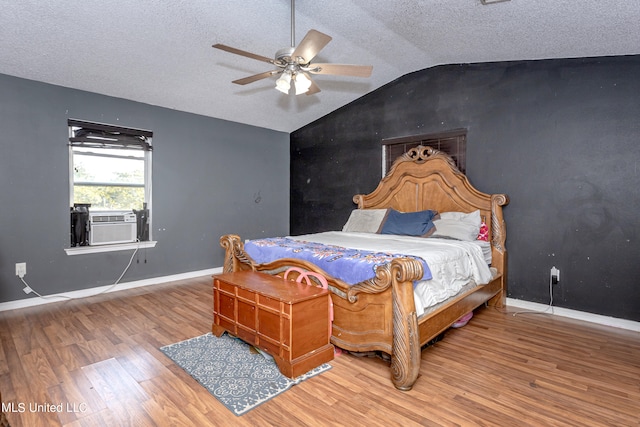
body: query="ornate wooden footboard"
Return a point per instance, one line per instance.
(377, 314)
(380, 314)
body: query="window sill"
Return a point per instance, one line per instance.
(82, 250)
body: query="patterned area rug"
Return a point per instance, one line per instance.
(234, 372)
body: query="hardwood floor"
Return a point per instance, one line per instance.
(98, 359)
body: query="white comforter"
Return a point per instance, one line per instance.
(453, 263)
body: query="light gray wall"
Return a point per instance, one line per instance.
(210, 177)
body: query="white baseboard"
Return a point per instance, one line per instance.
(574, 314)
(511, 302)
(31, 302)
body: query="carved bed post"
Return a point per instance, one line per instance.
(235, 258)
(405, 360)
(498, 243)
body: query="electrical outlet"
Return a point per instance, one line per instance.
(554, 274)
(21, 269)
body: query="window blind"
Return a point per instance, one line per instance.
(98, 135)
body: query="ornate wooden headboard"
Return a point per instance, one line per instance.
(425, 178)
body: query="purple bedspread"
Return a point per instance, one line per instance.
(349, 265)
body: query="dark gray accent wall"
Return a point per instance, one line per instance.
(560, 137)
(210, 177)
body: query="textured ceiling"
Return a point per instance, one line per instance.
(159, 52)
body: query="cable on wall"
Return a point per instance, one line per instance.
(29, 289)
(552, 280)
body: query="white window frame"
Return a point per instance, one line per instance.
(148, 186)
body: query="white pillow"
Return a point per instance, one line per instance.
(458, 225)
(365, 220)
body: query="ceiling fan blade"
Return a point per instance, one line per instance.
(256, 77)
(341, 69)
(314, 88)
(311, 44)
(242, 53)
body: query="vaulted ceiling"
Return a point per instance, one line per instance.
(159, 52)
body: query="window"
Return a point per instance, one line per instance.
(453, 143)
(110, 170)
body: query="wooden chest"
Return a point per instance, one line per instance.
(288, 320)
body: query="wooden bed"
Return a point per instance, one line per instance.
(379, 314)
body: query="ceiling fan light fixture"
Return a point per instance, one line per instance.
(302, 83)
(283, 84)
(294, 63)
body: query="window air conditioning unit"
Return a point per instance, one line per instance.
(111, 227)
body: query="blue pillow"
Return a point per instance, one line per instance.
(409, 223)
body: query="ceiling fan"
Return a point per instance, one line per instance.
(294, 63)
